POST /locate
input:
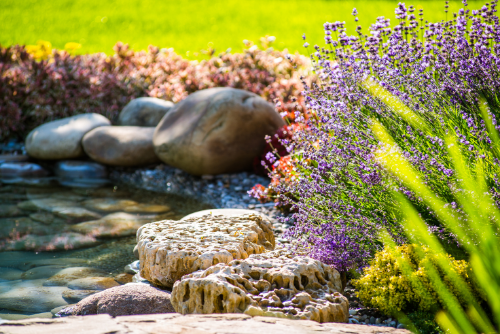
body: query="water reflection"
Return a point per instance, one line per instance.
(60, 244)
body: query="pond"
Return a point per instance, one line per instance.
(59, 244)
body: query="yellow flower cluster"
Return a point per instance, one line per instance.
(43, 49)
(386, 286)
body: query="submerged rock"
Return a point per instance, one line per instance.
(51, 242)
(92, 283)
(215, 131)
(63, 277)
(15, 228)
(127, 299)
(170, 249)
(46, 218)
(61, 139)
(68, 210)
(31, 296)
(127, 146)
(41, 272)
(74, 296)
(117, 224)
(9, 210)
(10, 274)
(144, 111)
(108, 204)
(265, 285)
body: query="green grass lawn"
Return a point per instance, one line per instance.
(187, 25)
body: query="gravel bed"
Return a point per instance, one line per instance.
(218, 191)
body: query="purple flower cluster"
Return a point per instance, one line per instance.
(422, 81)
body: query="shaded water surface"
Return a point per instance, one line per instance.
(60, 244)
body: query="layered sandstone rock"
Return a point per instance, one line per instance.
(171, 249)
(265, 285)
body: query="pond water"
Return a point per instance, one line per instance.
(59, 244)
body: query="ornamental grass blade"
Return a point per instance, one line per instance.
(471, 198)
(395, 104)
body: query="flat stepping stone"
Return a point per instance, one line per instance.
(170, 249)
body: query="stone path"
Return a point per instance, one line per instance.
(176, 323)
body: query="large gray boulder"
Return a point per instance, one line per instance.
(62, 139)
(144, 111)
(121, 145)
(215, 131)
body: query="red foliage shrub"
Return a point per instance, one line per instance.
(34, 92)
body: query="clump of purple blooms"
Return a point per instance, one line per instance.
(340, 195)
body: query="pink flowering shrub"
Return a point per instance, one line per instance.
(33, 91)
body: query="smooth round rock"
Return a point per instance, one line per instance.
(121, 145)
(73, 169)
(22, 169)
(144, 111)
(216, 131)
(126, 300)
(61, 139)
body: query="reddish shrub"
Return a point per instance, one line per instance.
(33, 92)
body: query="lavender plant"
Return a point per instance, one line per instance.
(422, 81)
